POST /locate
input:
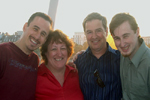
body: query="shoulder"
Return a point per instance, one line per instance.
(5, 48)
(34, 57)
(71, 69)
(110, 49)
(117, 52)
(114, 52)
(41, 69)
(145, 58)
(84, 54)
(34, 54)
(82, 58)
(6, 44)
(146, 54)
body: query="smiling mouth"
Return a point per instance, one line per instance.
(95, 41)
(33, 42)
(59, 59)
(125, 49)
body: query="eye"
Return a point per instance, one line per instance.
(35, 29)
(125, 36)
(53, 49)
(88, 32)
(99, 30)
(43, 34)
(116, 38)
(63, 48)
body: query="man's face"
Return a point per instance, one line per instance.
(95, 35)
(35, 34)
(126, 40)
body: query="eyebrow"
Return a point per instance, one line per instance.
(88, 30)
(115, 36)
(99, 28)
(126, 34)
(36, 26)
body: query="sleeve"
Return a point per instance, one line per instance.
(76, 62)
(149, 79)
(2, 61)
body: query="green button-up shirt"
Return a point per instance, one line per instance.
(135, 75)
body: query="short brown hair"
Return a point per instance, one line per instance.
(57, 36)
(40, 14)
(93, 16)
(119, 18)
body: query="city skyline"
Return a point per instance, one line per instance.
(70, 14)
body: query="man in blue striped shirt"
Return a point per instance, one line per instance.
(99, 65)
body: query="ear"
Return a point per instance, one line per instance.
(138, 31)
(106, 31)
(25, 26)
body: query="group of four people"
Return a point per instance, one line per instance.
(102, 73)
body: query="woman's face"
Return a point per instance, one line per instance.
(57, 55)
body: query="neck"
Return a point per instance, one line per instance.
(20, 45)
(99, 52)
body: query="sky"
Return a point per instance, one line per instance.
(71, 13)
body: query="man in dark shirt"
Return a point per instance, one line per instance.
(99, 65)
(18, 62)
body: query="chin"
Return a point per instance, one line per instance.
(126, 55)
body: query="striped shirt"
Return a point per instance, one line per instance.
(108, 66)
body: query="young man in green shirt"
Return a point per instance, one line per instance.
(135, 64)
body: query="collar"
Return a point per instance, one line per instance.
(109, 49)
(44, 70)
(137, 57)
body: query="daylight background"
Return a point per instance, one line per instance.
(70, 13)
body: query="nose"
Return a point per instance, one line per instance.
(59, 53)
(37, 35)
(94, 35)
(122, 43)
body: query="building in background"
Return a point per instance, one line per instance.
(79, 38)
(5, 37)
(19, 33)
(147, 40)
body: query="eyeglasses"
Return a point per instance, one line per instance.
(99, 81)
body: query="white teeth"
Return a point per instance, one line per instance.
(58, 59)
(125, 48)
(33, 41)
(95, 41)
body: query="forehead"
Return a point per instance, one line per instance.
(56, 43)
(41, 23)
(38, 19)
(123, 28)
(93, 24)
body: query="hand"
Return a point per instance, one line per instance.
(76, 55)
(72, 64)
